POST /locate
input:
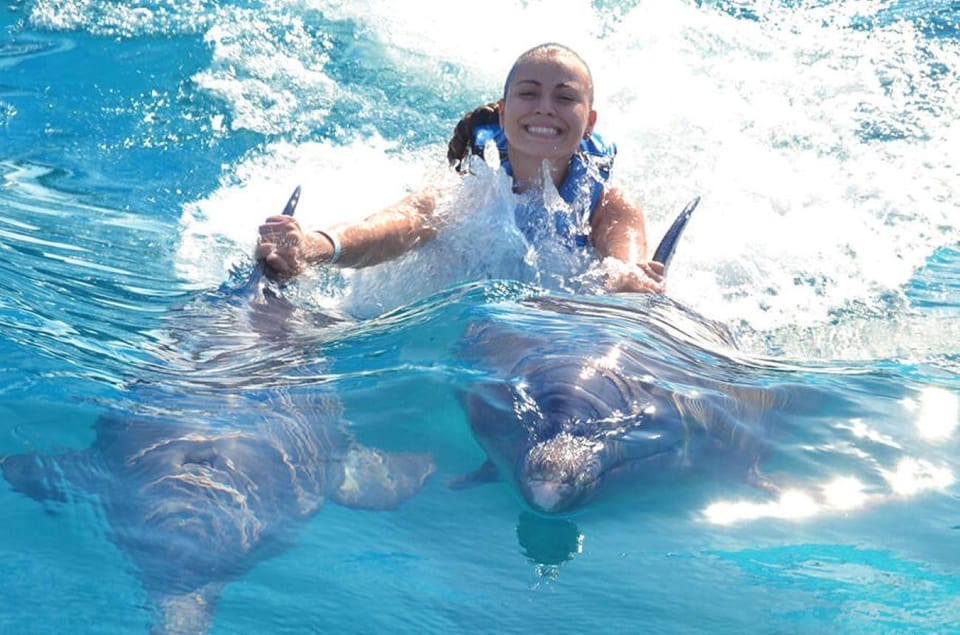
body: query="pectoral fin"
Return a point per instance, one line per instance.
(486, 473)
(34, 475)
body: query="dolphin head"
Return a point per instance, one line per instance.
(587, 419)
(560, 417)
(560, 473)
(564, 471)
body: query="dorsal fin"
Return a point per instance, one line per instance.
(255, 276)
(664, 252)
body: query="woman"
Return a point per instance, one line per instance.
(543, 129)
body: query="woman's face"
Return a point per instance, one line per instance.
(546, 110)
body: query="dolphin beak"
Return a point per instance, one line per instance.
(549, 497)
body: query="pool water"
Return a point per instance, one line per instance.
(143, 142)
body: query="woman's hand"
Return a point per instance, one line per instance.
(624, 277)
(286, 249)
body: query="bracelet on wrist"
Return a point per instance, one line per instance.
(337, 248)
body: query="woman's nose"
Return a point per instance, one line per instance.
(545, 105)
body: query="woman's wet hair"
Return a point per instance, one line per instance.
(550, 49)
(459, 147)
(461, 142)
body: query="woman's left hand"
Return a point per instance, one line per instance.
(643, 277)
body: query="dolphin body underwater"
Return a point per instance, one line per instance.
(576, 392)
(202, 474)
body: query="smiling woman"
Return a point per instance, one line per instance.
(544, 127)
(546, 109)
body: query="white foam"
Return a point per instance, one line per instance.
(826, 155)
(800, 214)
(122, 19)
(419, 36)
(269, 70)
(339, 184)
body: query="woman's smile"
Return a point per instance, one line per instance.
(543, 131)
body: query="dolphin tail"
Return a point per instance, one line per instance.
(378, 480)
(188, 612)
(664, 252)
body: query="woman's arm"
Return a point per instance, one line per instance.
(619, 231)
(287, 250)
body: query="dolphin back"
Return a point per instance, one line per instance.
(251, 301)
(256, 276)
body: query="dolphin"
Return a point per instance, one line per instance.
(573, 393)
(208, 464)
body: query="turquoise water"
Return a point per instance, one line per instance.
(143, 142)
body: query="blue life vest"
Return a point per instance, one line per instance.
(588, 173)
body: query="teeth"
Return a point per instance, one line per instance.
(547, 132)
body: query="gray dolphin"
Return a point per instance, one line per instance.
(576, 392)
(200, 490)
(213, 464)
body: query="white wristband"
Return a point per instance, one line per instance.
(337, 249)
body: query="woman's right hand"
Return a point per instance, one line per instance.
(286, 249)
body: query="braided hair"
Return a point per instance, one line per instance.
(461, 143)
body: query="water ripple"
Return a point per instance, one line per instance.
(80, 283)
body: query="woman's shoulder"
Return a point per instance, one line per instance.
(616, 202)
